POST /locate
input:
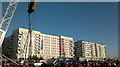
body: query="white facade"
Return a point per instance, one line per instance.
(89, 50)
(68, 46)
(2, 36)
(44, 45)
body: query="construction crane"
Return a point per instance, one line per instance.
(4, 24)
(6, 19)
(8, 15)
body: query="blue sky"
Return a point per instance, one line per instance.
(91, 21)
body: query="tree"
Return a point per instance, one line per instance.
(35, 57)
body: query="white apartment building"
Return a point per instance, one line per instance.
(100, 50)
(89, 50)
(18, 45)
(66, 48)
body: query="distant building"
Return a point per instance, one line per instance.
(18, 45)
(89, 50)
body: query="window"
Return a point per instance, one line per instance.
(19, 43)
(19, 36)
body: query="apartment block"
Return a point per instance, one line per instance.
(89, 50)
(66, 47)
(23, 45)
